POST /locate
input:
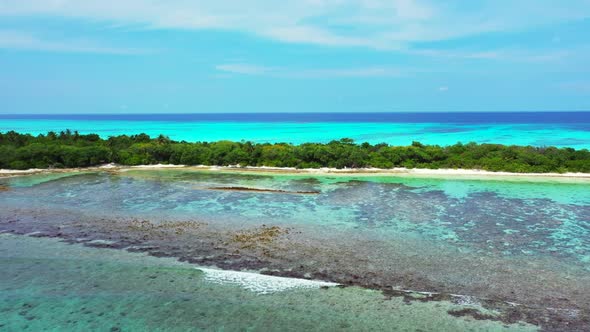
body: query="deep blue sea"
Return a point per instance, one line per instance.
(399, 117)
(571, 129)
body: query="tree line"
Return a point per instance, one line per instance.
(71, 149)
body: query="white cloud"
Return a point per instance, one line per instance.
(382, 24)
(25, 41)
(506, 54)
(443, 88)
(312, 35)
(248, 69)
(245, 69)
(352, 72)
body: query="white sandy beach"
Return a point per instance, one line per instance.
(415, 172)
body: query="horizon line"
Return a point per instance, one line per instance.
(296, 113)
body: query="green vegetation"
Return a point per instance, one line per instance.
(70, 149)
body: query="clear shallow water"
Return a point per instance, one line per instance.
(519, 241)
(47, 285)
(538, 129)
(503, 217)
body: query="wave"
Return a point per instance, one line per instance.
(260, 283)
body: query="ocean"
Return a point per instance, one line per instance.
(562, 129)
(187, 249)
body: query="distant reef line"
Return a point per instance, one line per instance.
(69, 149)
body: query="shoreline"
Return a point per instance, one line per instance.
(394, 172)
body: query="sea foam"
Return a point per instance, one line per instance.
(259, 283)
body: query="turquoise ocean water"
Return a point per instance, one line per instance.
(538, 129)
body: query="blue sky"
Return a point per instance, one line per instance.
(178, 56)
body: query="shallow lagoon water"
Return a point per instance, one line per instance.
(508, 216)
(510, 241)
(47, 285)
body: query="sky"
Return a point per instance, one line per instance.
(191, 56)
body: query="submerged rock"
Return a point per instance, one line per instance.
(264, 190)
(260, 236)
